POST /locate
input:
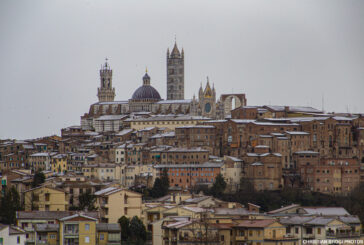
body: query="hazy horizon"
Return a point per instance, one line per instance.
(284, 52)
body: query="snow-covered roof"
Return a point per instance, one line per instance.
(196, 126)
(329, 211)
(124, 132)
(112, 102)
(108, 190)
(110, 117)
(187, 101)
(306, 152)
(297, 133)
(40, 154)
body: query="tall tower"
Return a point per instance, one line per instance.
(175, 74)
(106, 92)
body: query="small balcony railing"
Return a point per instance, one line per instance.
(342, 234)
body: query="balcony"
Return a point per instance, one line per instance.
(241, 238)
(71, 230)
(342, 234)
(209, 239)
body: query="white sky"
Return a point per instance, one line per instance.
(281, 52)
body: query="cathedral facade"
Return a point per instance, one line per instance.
(146, 99)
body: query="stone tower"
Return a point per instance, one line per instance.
(175, 74)
(106, 92)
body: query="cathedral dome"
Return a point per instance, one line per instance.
(146, 91)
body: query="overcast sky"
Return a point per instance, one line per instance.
(277, 52)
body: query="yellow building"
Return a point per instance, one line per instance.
(45, 198)
(114, 203)
(42, 226)
(77, 229)
(108, 234)
(59, 163)
(231, 171)
(102, 171)
(323, 228)
(135, 173)
(166, 121)
(261, 231)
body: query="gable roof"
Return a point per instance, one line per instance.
(325, 211)
(282, 209)
(51, 215)
(76, 216)
(257, 223)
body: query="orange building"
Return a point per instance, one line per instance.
(189, 175)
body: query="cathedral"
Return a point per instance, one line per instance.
(146, 99)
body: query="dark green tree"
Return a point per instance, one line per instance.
(9, 204)
(161, 185)
(38, 179)
(246, 186)
(124, 226)
(132, 231)
(219, 186)
(138, 232)
(165, 180)
(87, 201)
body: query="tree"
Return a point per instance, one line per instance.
(165, 180)
(161, 185)
(137, 229)
(219, 186)
(9, 204)
(87, 201)
(246, 186)
(132, 231)
(38, 179)
(124, 226)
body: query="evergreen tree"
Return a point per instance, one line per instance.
(87, 201)
(219, 186)
(124, 226)
(165, 180)
(38, 179)
(9, 204)
(138, 232)
(132, 231)
(161, 185)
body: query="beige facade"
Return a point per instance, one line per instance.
(45, 198)
(114, 203)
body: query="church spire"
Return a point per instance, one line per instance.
(175, 51)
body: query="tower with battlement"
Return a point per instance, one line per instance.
(106, 93)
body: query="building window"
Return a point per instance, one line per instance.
(18, 240)
(87, 227)
(87, 239)
(101, 237)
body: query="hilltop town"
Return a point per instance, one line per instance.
(186, 171)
